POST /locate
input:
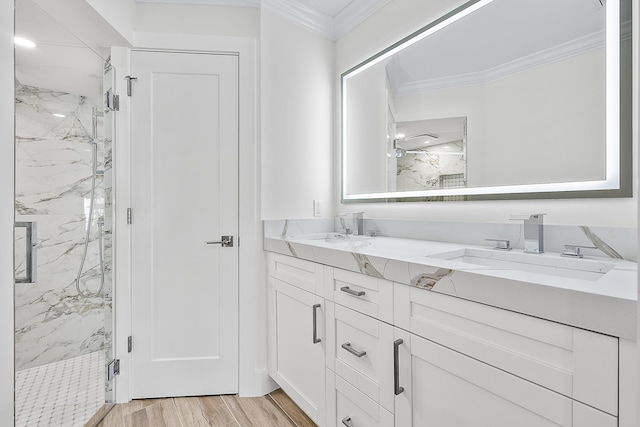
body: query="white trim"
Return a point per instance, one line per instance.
(233, 3)
(306, 16)
(354, 14)
(7, 193)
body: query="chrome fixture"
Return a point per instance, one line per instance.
(533, 232)
(100, 222)
(573, 251)
(351, 223)
(31, 258)
(500, 244)
(225, 242)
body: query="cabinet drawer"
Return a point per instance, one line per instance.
(347, 406)
(442, 387)
(579, 364)
(360, 350)
(366, 294)
(297, 272)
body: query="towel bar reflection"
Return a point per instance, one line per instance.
(31, 251)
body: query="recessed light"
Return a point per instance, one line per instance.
(59, 115)
(20, 41)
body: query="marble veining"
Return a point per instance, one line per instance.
(429, 280)
(602, 300)
(365, 266)
(600, 243)
(53, 185)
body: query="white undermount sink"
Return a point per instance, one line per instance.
(547, 264)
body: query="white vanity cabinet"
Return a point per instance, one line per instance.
(572, 362)
(444, 388)
(296, 324)
(396, 355)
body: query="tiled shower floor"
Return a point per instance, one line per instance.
(65, 393)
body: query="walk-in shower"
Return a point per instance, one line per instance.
(63, 262)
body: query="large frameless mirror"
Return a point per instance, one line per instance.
(495, 100)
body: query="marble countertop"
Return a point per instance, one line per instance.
(603, 300)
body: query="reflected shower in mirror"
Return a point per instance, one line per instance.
(538, 83)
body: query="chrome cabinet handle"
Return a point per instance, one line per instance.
(349, 291)
(396, 368)
(315, 307)
(347, 421)
(225, 241)
(347, 346)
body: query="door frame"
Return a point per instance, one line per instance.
(253, 377)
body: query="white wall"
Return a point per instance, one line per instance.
(120, 14)
(407, 16)
(6, 213)
(296, 119)
(198, 19)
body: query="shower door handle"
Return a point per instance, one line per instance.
(225, 242)
(31, 258)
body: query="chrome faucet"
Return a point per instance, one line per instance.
(533, 232)
(352, 223)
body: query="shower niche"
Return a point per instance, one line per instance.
(63, 238)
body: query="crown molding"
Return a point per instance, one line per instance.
(303, 15)
(234, 3)
(330, 27)
(354, 14)
(556, 53)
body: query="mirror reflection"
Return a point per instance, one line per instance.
(534, 85)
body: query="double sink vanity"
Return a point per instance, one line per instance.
(384, 331)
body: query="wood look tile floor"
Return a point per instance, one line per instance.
(274, 409)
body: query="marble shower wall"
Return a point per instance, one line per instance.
(53, 185)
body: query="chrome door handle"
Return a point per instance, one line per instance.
(396, 368)
(347, 421)
(31, 253)
(347, 346)
(225, 241)
(315, 307)
(350, 291)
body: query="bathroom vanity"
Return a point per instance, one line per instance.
(380, 331)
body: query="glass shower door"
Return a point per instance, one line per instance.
(63, 242)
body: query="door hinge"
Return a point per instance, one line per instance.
(129, 79)
(129, 344)
(113, 369)
(129, 216)
(113, 101)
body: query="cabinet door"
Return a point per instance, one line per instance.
(579, 364)
(445, 388)
(296, 346)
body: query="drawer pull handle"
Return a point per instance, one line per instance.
(347, 346)
(351, 291)
(347, 421)
(396, 368)
(315, 308)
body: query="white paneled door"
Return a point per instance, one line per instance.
(184, 129)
